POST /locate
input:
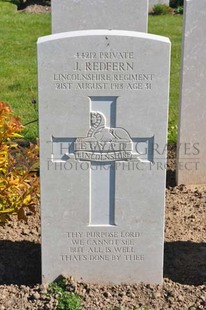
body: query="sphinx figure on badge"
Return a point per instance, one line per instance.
(99, 131)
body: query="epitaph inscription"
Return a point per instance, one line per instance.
(104, 246)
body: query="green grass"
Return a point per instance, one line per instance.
(171, 26)
(18, 66)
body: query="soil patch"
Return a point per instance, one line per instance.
(184, 284)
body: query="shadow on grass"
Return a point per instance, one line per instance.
(20, 263)
(171, 166)
(185, 262)
(171, 178)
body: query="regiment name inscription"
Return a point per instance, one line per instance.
(79, 77)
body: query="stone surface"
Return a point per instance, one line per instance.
(154, 2)
(103, 102)
(192, 121)
(69, 15)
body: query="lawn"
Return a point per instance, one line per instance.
(171, 26)
(18, 65)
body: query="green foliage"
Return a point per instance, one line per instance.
(16, 2)
(66, 300)
(161, 9)
(179, 10)
(22, 3)
(19, 184)
(175, 3)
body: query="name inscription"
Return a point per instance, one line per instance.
(103, 71)
(102, 246)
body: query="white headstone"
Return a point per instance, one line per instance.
(191, 167)
(69, 15)
(103, 101)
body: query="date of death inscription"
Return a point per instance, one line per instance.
(103, 71)
(102, 246)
